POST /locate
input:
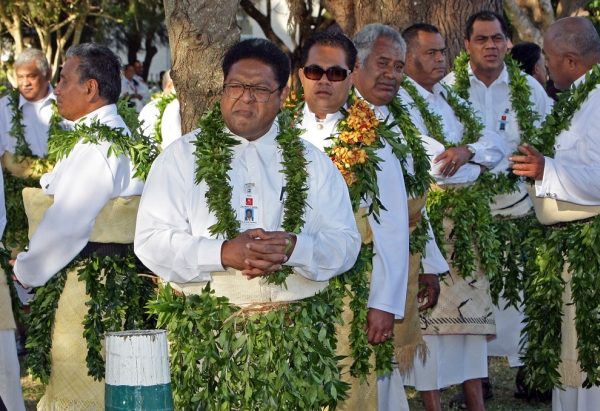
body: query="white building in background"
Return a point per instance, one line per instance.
(279, 17)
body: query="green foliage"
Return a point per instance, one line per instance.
(418, 183)
(16, 232)
(569, 102)
(16, 304)
(139, 148)
(117, 299)
(162, 103)
(578, 245)
(39, 326)
(223, 357)
(213, 158)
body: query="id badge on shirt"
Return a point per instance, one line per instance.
(249, 206)
(503, 120)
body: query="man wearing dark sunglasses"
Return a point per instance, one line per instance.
(328, 60)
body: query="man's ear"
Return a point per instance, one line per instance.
(91, 90)
(285, 92)
(301, 76)
(468, 46)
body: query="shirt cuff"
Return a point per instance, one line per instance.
(16, 273)
(542, 187)
(479, 156)
(303, 252)
(209, 255)
(398, 313)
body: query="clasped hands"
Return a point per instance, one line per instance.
(257, 252)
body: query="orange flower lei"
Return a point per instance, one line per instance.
(357, 131)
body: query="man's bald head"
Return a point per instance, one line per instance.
(572, 47)
(574, 35)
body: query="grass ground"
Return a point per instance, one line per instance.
(503, 380)
(502, 376)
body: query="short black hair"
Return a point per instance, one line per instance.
(126, 66)
(330, 39)
(262, 50)
(485, 15)
(98, 62)
(411, 34)
(527, 54)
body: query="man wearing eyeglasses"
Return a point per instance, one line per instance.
(175, 233)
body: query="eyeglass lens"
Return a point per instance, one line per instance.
(257, 93)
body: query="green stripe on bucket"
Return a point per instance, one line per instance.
(138, 398)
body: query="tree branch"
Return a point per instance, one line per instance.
(265, 24)
(547, 13)
(525, 27)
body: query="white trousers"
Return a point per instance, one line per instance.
(509, 323)
(576, 399)
(452, 359)
(390, 392)
(10, 374)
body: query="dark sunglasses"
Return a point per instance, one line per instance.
(333, 73)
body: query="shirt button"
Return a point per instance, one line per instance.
(558, 146)
(319, 126)
(252, 166)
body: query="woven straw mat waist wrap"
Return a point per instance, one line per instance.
(115, 224)
(550, 211)
(516, 204)
(22, 169)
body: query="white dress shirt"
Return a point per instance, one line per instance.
(490, 149)
(494, 107)
(130, 88)
(82, 183)
(389, 278)
(149, 115)
(143, 89)
(171, 124)
(2, 206)
(573, 174)
(172, 233)
(36, 119)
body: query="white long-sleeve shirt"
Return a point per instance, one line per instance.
(389, 278)
(573, 174)
(36, 119)
(490, 149)
(493, 105)
(172, 232)
(149, 115)
(171, 124)
(82, 183)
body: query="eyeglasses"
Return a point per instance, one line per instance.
(257, 93)
(315, 72)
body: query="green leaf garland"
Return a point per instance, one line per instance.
(213, 158)
(117, 300)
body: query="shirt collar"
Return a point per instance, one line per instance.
(502, 78)
(49, 96)
(426, 94)
(580, 79)
(99, 114)
(311, 120)
(266, 146)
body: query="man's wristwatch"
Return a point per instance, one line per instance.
(472, 150)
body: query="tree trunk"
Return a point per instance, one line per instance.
(449, 16)
(200, 32)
